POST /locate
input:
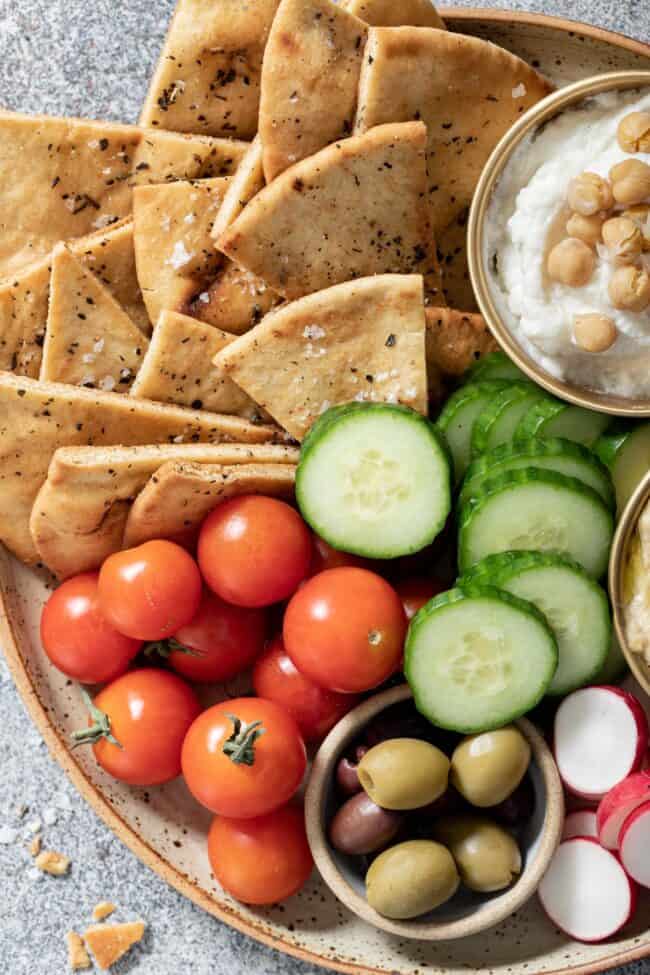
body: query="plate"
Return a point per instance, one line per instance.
(166, 829)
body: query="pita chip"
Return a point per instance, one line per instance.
(452, 252)
(362, 340)
(455, 340)
(179, 496)
(36, 418)
(208, 75)
(110, 942)
(353, 209)
(165, 156)
(242, 187)
(80, 512)
(310, 78)
(23, 317)
(235, 301)
(178, 368)
(395, 13)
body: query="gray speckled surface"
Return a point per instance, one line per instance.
(93, 57)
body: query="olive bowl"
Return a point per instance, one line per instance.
(466, 913)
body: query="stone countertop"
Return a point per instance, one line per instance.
(94, 58)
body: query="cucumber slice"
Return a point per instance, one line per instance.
(576, 607)
(374, 479)
(555, 454)
(457, 419)
(626, 451)
(550, 418)
(477, 658)
(534, 509)
(615, 667)
(495, 365)
(497, 423)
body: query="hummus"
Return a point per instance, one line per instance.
(636, 588)
(522, 219)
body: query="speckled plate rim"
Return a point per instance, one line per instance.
(10, 640)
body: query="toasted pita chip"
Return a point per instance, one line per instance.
(165, 156)
(23, 317)
(179, 496)
(36, 418)
(90, 341)
(452, 251)
(208, 74)
(353, 209)
(174, 252)
(110, 942)
(80, 512)
(235, 301)
(310, 78)
(242, 187)
(395, 13)
(362, 340)
(467, 91)
(455, 340)
(178, 368)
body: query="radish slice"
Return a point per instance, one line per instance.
(617, 805)
(601, 736)
(635, 844)
(586, 891)
(582, 822)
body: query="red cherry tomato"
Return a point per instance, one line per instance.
(77, 637)
(416, 593)
(325, 557)
(262, 860)
(244, 757)
(149, 592)
(315, 709)
(345, 629)
(220, 642)
(254, 550)
(148, 712)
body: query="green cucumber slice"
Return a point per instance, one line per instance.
(477, 658)
(495, 365)
(576, 607)
(535, 509)
(555, 454)
(626, 451)
(497, 422)
(550, 418)
(457, 419)
(374, 479)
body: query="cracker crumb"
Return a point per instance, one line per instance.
(54, 863)
(110, 942)
(35, 846)
(78, 957)
(103, 910)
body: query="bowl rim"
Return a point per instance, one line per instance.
(495, 910)
(544, 110)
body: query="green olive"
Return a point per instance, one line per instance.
(487, 768)
(411, 878)
(404, 773)
(486, 855)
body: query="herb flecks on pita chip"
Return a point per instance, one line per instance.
(362, 340)
(242, 187)
(452, 253)
(23, 316)
(235, 301)
(396, 13)
(165, 156)
(310, 78)
(455, 340)
(208, 76)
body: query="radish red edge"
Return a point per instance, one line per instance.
(617, 804)
(635, 844)
(580, 822)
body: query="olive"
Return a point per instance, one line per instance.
(486, 855)
(347, 777)
(404, 773)
(487, 768)
(360, 826)
(410, 879)
(518, 807)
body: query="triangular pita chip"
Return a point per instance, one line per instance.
(23, 316)
(110, 942)
(235, 301)
(36, 418)
(164, 156)
(353, 209)
(395, 13)
(362, 340)
(174, 252)
(452, 251)
(467, 91)
(310, 78)
(455, 340)
(179, 496)
(178, 368)
(208, 75)
(242, 187)
(80, 512)
(90, 341)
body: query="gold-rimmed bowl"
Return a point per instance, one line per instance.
(502, 323)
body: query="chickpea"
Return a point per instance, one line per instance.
(630, 181)
(571, 262)
(588, 193)
(586, 229)
(623, 239)
(593, 332)
(629, 289)
(634, 132)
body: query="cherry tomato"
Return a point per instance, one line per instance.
(262, 860)
(315, 709)
(325, 557)
(148, 712)
(77, 637)
(345, 629)
(220, 642)
(244, 757)
(254, 550)
(416, 593)
(149, 592)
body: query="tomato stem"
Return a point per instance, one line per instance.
(240, 747)
(166, 647)
(100, 728)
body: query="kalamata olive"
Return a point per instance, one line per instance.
(486, 855)
(360, 826)
(448, 804)
(487, 768)
(404, 773)
(518, 808)
(347, 777)
(410, 879)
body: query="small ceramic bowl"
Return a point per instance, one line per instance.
(500, 321)
(466, 913)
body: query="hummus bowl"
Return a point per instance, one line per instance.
(519, 213)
